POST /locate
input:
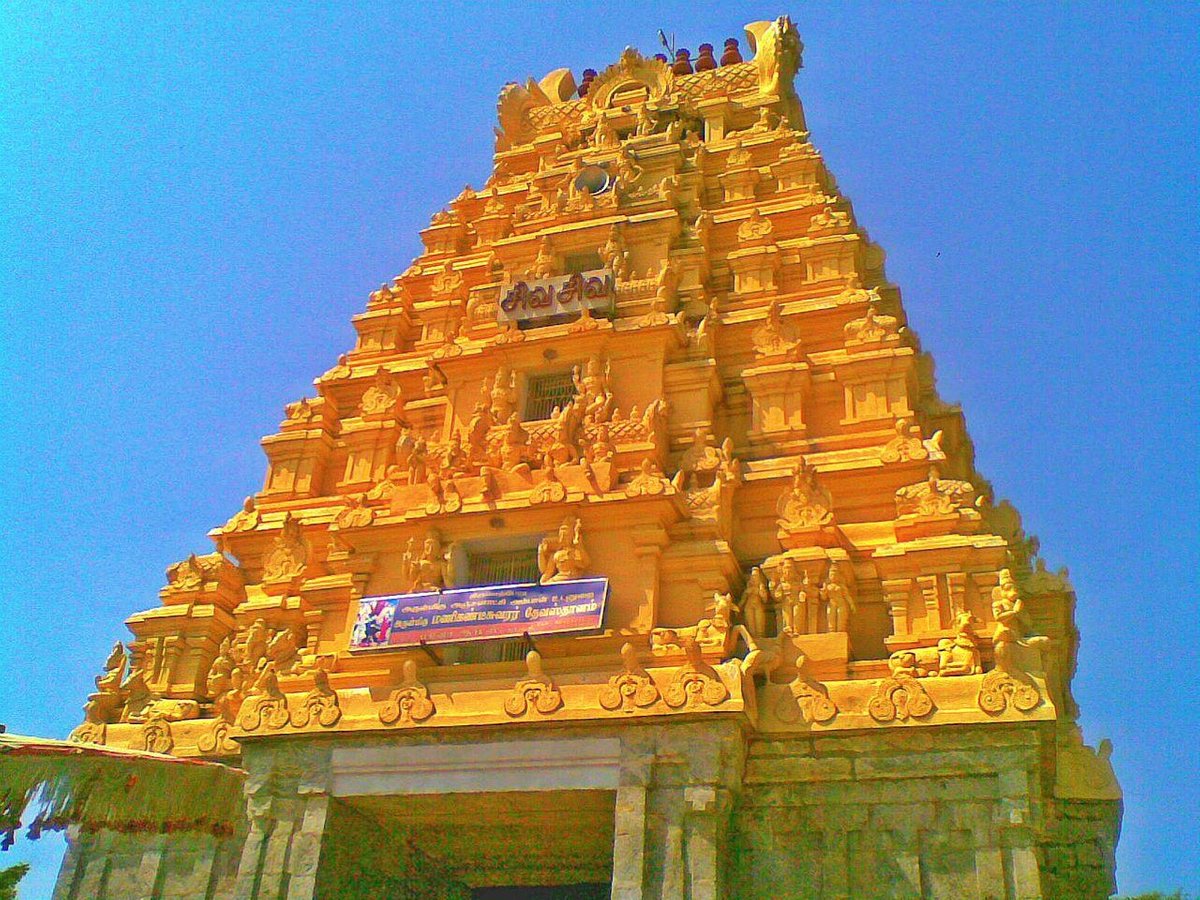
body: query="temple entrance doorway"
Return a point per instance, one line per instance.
(554, 892)
(532, 845)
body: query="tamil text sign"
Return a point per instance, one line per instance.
(479, 613)
(545, 297)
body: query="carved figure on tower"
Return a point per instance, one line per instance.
(592, 390)
(425, 566)
(704, 463)
(839, 600)
(503, 393)
(756, 601)
(563, 557)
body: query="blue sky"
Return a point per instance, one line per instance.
(194, 200)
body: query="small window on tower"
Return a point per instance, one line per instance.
(546, 392)
(502, 567)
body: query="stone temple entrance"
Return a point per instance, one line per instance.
(558, 892)
(536, 844)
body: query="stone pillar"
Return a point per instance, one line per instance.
(287, 800)
(630, 823)
(70, 868)
(706, 837)
(673, 807)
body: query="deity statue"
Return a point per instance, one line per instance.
(605, 134)
(138, 696)
(788, 594)
(563, 558)
(418, 462)
(960, 655)
(225, 682)
(1008, 610)
(453, 458)
(477, 431)
(114, 669)
(502, 393)
(425, 569)
(649, 480)
(283, 650)
(774, 337)
(756, 599)
(601, 447)
(805, 504)
(614, 255)
(645, 122)
(703, 464)
(755, 229)
(514, 448)
(764, 124)
(545, 265)
(838, 598)
(566, 423)
(254, 644)
(289, 553)
(666, 292)
(593, 392)
(382, 397)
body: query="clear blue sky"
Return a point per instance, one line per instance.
(195, 199)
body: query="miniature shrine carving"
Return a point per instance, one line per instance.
(695, 683)
(410, 702)
(245, 519)
(805, 504)
(289, 554)
(536, 692)
(807, 699)
(632, 688)
(320, 705)
(899, 697)
(909, 445)
(774, 338)
(382, 398)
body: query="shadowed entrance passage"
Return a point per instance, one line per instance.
(544, 845)
(558, 892)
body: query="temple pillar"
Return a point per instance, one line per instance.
(630, 824)
(706, 835)
(287, 795)
(673, 811)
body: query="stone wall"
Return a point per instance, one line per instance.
(702, 810)
(1079, 849)
(107, 865)
(929, 813)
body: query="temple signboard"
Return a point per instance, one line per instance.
(545, 297)
(479, 613)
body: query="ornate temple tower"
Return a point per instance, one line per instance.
(630, 546)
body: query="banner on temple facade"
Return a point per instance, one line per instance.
(544, 297)
(479, 613)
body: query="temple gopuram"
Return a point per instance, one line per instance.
(630, 551)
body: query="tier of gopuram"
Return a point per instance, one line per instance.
(630, 552)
